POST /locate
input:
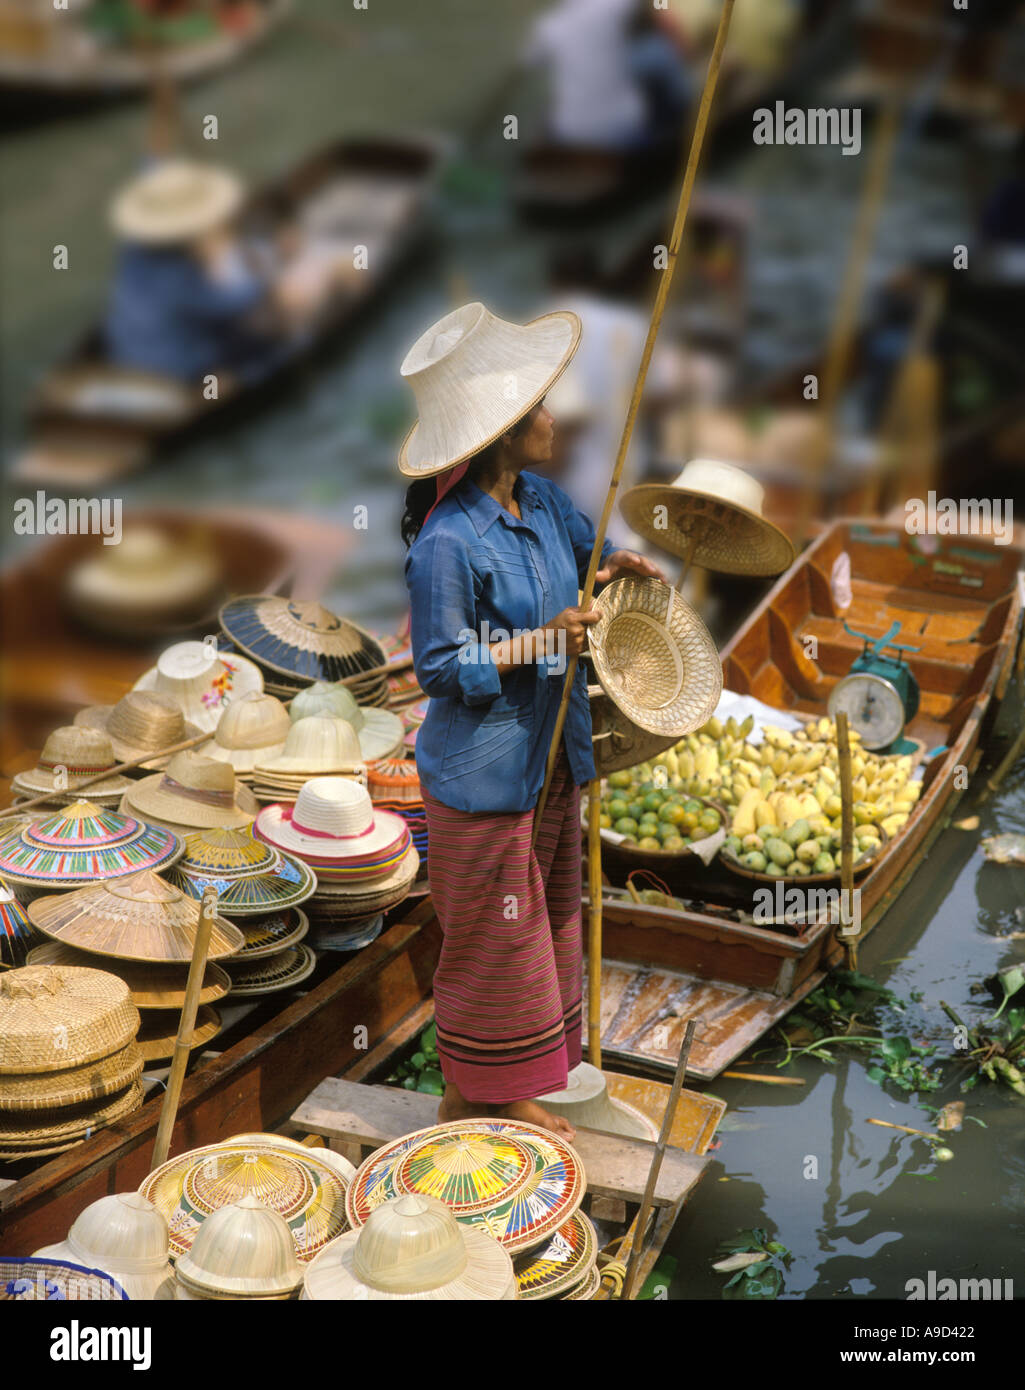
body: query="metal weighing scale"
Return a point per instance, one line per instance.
(879, 695)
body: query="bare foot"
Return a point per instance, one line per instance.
(535, 1114)
(454, 1106)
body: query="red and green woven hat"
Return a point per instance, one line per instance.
(81, 844)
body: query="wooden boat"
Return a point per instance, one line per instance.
(959, 601)
(264, 1082)
(91, 420)
(40, 62)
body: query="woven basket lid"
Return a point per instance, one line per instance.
(141, 722)
(412, 1248)
(56, 1017)
(201, 680)
(308, 1192)
(300, 640)
(81, 844)
(716, 508)
(565, 1259)
(283, 970)
(159, 1031)
(250, 730)
(50, 1090)
(654, 657)
(17, 934)
(617, 741)
(76, 752)
(25, 1280)
(266, 936)
(46, 1127)
(151, 986)
(477, 1168)
(244, 1248)
(251, 878)
(142, 918)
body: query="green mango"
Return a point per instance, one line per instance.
(797, 833)
(779, 851)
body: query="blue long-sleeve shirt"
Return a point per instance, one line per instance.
(477, 575)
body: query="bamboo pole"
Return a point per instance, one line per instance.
(998, 774)
(843, 749)
(594, 924)
(656, 1161)
(666, 280)
(186, 1027)
(906, 1129)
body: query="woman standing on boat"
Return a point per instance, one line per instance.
(496, 560)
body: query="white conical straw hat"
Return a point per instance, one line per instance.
(176, 200)
(251, 730)
(474, 375)
(380, 731)
(124, 1235)
(317, 745)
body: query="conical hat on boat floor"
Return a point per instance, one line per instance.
(559, 1265)
(716, 508)
(81, 844)
(379, 731)
(151, 986)
(251, 877)
(269, 974)
(193, 793)
(70, 754)
(56, 1017)
(251, 730)
(300, 640)
(202, 681)
(52, 1090)
(141, 722)
(159, 1031)
(144, 918)
(412, 1248)
(44, 1127)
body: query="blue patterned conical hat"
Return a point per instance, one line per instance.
(83, 843)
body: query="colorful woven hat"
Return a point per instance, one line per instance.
(307, 1191)
(71, 753)
(516, 1181)
(334, 827)
(54, 1017)
(141, 918)
(201, 680)
(379, 730)
(334, 1160)
(25, 1280)
(394, 780)
(251, 730)
(302, 641)
(347, 902)
(714, 509)
(159, 1031)
(585, 1290)
(42, 1129)
(266, 936)
(251, 878)
(654, 656)
(194, 793)
(151, 986)
(81, 844)
(269, 974)
(411, 1248)
(17, 934)
(52, 1090)
(124, 1235)
(562, 1263)
(141, 722)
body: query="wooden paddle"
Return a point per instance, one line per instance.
(665, 281)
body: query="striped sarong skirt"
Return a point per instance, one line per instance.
(508, 983)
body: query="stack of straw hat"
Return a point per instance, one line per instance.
(520, 1183)
(149, 923)
(380, 732)
(69, 1063)
(125, 1236)
(260, 888)
(242, 1251)
(394, 782)
(192, 793)
(143, 721)
(201, 680)
(364, 859)
(300, 1184)
(251, 730)
(17, 934)
(297, 642)
(71, 753)
(315, 747)
(82, 844)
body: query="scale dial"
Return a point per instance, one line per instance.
(873, 706)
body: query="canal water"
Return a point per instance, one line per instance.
(881, 1210)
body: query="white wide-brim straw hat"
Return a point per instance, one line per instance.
(194, 792)
(474, 375)
(203, 682)
(175, 201)
(716, 509)
(251, 730)
(333, 818)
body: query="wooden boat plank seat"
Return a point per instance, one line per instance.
(374, 1115)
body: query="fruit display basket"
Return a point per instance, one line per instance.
(775, 872)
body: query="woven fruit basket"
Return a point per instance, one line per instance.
(811, 875)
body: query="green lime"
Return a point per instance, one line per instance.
(626, 825)
(618, 808)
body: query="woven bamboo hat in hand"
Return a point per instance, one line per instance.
(139, 918)
(715, 509)
(251, 730)
(71, 753)
(474, 375)
(617, 741)
(194, 793)
(201, 680)
(654, 657)
(56, 1017)
(412, 1248)
(141, 722)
